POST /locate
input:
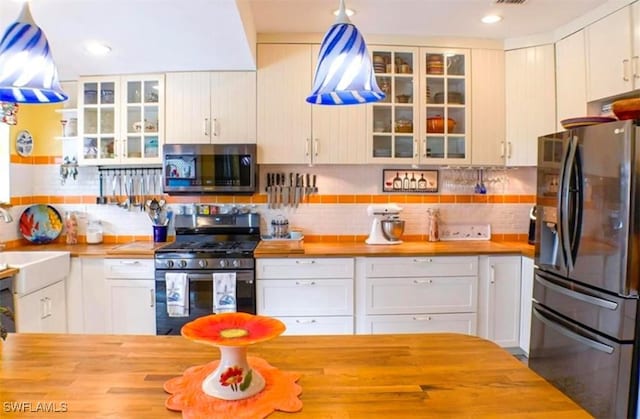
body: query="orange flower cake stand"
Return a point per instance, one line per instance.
(233, 384)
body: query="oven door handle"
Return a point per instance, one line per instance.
(209, 277)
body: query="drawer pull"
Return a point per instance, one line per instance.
(422, 260)
(305, 262)
(130, 263)
(305, 321)
(305, 282)
(423, 281)
(422, 318)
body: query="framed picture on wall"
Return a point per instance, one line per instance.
(402, 180)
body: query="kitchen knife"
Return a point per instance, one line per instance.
(285, 190)
(291, 190)
(296, 200)
(268, 189)
(307, 190)
(313, 185)
(278, 199)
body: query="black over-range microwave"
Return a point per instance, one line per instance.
(209, 168)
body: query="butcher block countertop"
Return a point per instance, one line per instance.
(136, 249)
(268, 249)
(6, 273)
(362, 376)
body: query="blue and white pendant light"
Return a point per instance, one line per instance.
(344, 73)
(27, 71)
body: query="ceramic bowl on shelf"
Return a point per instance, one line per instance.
(403, 98)
(436, 124)
(626, 108)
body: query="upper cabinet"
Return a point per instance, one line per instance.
(530, 101)
(488, 107)
(613, 51)
(571, 74)
(292, 131)
(121, 119)
(424, 118)
(211, 107)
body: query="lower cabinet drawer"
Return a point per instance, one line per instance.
(421, 295)
(418, 323)
(320, 325)
(304, 297)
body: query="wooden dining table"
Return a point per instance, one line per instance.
(439, 375)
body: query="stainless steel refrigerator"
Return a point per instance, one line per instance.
(584, 330)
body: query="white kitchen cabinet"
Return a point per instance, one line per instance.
(130, 290)
(416, 294)
(42, 311)
(313, 296)
(571, 78)
(526, 295)
(530, 101)
(94, 295)
(292, 131)
(488, 146)
(211, 107)
(612, 54)
(121, 119)
(499, 299)
(75, 316)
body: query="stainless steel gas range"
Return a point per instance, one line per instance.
(206, 245)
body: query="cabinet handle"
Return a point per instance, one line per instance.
(501, 149)
(130, 263)
(308, 147)
(424, 148)
(625, 70)
(205, 127)
(153, 297)
(315, 147)
(509, 149)
(305, 282)
(43, 308)
(215, 127)
(49, 305)
(492, 278)
(305, 321)
(422, 260)
(421, 318)
(305, 262)
(634, 62)
(423, 281)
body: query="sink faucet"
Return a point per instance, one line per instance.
(5, 215)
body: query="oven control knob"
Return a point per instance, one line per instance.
(235, 263)
(202, 263)
(183, 264)
(223, 263)
(169, 264)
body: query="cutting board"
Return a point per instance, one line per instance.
(136, 248)
(280, 247)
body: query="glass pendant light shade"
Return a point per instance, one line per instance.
(27, 71)
(344, 73)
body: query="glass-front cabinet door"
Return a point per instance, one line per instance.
(392, 122)
(121, 119)
(142, 115)
(98, 121)
(445, 107)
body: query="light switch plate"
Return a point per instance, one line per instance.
(453, 232)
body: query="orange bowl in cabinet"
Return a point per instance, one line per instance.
(436, 125)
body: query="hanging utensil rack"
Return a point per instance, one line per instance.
(129, 187)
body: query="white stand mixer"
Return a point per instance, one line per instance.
(380, 212)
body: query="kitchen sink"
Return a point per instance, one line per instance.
(36, 269)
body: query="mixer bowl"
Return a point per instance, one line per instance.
(392, 229)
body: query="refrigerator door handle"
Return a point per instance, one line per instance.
(610, 305)
(548, 320)
(565, 181)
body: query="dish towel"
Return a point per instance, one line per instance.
(224, 292)
(177, 285)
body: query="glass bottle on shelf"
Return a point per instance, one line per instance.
(397, 182)
(405, 181)
(412, 182)
(422, 182)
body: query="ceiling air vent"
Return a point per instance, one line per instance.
(509, 1)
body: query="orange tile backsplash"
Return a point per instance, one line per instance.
(313, 199)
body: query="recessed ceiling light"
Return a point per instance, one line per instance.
(97, 48)
(349, 12)
(491, 19)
